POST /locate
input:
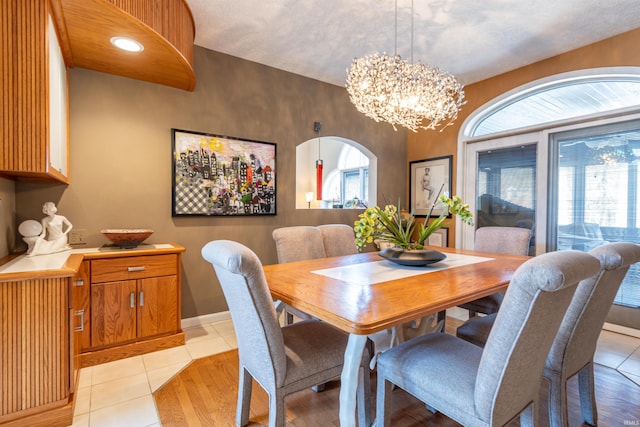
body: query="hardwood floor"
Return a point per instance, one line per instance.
(204, 394)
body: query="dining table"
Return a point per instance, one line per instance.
(364, 293)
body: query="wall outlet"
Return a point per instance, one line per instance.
(78, 236)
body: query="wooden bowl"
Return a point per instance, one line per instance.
(127, 238)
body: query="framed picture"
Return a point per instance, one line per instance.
(428, 178)
(221, 175)
(439, 238)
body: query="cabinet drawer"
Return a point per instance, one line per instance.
(127, 268)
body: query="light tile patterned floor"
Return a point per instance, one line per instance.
(120, 393)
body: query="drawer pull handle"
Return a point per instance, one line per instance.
(81, 314)
(130, 269)
(132, 300)
(79, 282)
(141, 298)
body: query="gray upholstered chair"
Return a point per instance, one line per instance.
(502, 240)
(283, 360)
(339, 239)
(298, 243)
(494, 385)
(575, 344)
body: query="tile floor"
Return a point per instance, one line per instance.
(120, 393)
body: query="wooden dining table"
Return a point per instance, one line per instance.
(363, 294)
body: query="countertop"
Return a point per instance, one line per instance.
(67, 263)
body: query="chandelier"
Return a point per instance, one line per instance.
(399, 92)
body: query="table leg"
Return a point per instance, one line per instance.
(349, 379)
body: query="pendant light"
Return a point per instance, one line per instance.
(316, 128)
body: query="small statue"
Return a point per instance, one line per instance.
(53, 237)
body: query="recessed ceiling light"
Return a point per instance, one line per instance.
(127, 44)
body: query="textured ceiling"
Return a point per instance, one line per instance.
(472, 39)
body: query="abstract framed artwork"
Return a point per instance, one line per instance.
(215, 175)
(428, 178)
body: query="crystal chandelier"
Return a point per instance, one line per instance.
(394, 90)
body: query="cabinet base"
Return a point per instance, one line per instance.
(52, 415)
(123, 351)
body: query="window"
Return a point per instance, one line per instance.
(586, 125)
(349, 173)
(597, 193)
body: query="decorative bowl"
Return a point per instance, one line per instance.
(127, 238)
(414, 257)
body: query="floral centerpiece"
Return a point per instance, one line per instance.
(389, 225)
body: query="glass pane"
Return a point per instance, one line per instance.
(507, 187)
(598, 196)
(351, 185)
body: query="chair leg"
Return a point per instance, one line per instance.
(383, 402)
(557, 401)
(587, 395)
(244, 397)
(277, 412)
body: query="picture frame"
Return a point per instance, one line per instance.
(439, 238)
(216, 175)
(426, 178)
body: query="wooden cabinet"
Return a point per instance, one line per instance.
(133, 304)
(37, 369)
(34, 136)
(61, 312)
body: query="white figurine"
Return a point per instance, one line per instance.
(53, 237)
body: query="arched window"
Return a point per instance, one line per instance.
(557, 99)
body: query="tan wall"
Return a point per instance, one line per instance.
(7, 214)
(621, 50)
(121, 156)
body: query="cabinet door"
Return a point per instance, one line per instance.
(80, 295)
(157, 305)
(113, 312)
(79, 316)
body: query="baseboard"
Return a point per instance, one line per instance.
(204, 319)
(621, 329)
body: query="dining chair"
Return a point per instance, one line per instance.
(492, 385)
(297, 243)
(283, 360)
(575, 344)
(338, 239)
(503, 240)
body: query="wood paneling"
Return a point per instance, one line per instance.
(34, 356)
(164, 27)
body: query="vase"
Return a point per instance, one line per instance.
(412, 257)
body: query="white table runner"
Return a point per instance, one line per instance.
(369, 273)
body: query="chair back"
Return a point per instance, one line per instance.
(339, 239)
(504, 240)
(513, 358)
(298, 243)
(577, 337)
(260, 339)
